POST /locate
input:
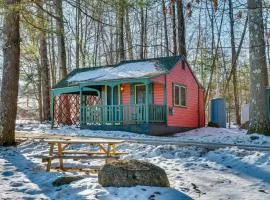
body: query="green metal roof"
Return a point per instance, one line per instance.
(166, 62)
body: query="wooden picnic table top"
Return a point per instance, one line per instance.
(86, 141)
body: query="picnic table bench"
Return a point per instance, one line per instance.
(58, 150)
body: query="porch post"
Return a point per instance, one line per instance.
(111, 118)
(81, 108)
(52, 108)
(112, 94)
(147, 102)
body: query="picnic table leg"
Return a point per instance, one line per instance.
(109, 150)
(60, 153)
(102, 149)
(50, 160)
(113, 149)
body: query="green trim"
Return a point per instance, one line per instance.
(150, 97)
(124, 114)
(113, 83)
(52, 109)
(132, 94)
(81, 107)
(77, 89)
(112, 95)
(147, 103)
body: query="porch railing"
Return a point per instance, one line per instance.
(123, 114)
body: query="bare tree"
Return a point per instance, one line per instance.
(142, 34)
(78, 42)
(181, 29)
(234, 65)
(45, 81)
(11, 67)
(174, 30)
(165, 27)
(128, 35)
(258, 70)
(121, 14)
(61, 38)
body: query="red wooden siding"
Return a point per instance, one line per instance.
(158, 93)
(184, 116)
(126, 94)
(159, 79)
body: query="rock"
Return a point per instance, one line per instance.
(66, 180)
(127, 173)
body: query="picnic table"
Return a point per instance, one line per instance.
(58, 150)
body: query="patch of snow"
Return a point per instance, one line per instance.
(128, 70)
(193, 172)
(207, 134)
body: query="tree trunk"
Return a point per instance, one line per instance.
(121, 14)
(234, 66)
(11, 67)
(65, 107)
(78, 19)
(61, 39)
(39, 96)
(129, 38)
(145, 34)
(142, 33)
(52, 51)
(258, 70)
(174, 30)
(45, 83)
(181, 29)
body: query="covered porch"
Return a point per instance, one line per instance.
(115, 103)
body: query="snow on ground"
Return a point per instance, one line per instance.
(193, 173)
(208, 134)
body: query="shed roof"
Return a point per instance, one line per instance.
(131, 69)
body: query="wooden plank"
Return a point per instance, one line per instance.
(102, 148)
(61, 162)
(87, 171)
(74, 157)
(50, 153)
(86, 141)
(93, 153)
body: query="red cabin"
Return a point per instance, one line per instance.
(155, 96)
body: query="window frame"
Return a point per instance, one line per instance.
(179, 85)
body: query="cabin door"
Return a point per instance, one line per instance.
(140, 94)
(113, 114)
(140, 103)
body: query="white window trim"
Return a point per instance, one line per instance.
(180, 102)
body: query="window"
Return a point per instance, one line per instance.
(179, 98)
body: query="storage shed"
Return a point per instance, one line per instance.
(155, 96)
